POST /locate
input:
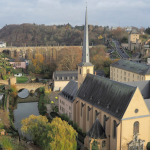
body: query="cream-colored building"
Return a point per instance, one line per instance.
(66, 98)
(127, 71)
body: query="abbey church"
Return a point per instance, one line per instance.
(116, 115)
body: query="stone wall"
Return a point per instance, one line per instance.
(4, 82)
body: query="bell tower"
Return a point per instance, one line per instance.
(85, 66)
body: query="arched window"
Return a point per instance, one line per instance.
(80, 71)
(103, 143)
(136, 127)
(88, 70)
(114, 129)
(104, 123)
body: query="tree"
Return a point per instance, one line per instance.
(50, 136)
(69, 58)
(4, 118)
(148, 146)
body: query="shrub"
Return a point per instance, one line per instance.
(79, 130)
(75, 125)
(4, 77)
(71, 122)
(148, 146)
(41, 89)
(1, 126)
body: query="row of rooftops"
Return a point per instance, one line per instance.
(135, 67)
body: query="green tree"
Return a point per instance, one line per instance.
(50, 136)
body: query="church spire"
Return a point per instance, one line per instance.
(85, 50)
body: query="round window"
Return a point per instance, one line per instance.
(136, 110)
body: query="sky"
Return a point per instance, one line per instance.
(100, 12)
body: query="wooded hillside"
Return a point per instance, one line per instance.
(33, 34)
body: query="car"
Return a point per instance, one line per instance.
(18, 75)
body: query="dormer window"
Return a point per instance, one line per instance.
(57, 78)
(91, 97)
(62, 78)
(67, 78)
(73, 77)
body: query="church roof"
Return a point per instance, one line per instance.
(110, 96)
(131, 66)
(85, 50)
(70, 90)
(97, 131)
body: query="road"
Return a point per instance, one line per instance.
(121, 52)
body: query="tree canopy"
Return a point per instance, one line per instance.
(50, 136)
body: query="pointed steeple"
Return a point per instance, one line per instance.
(85, 50)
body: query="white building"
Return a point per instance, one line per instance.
(2, 44)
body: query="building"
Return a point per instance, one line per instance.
(2, 44)
(62, 78)
(21, 63)
(134, 41)
(126, 71)
(66, 98)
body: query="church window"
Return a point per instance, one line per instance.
(104, 123)
(114, 129)
(81, 109)
(103, 143)
(95, 114)
(80, 71)
(88, 113)
(136, 127)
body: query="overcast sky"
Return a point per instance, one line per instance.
(101, 12)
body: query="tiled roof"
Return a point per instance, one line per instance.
(110, 96)
(70, 90)
(97, 131)
(131, 66)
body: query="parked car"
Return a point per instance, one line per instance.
(18, 75)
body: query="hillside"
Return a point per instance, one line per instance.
(33, 34)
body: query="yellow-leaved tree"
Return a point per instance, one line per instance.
(50, 136)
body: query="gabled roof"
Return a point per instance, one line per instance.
(70, 90)
(68, 75)
(110, 96)
(131, 66)
(65, 75)
(97, 131)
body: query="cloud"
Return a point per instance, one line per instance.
(101, 12)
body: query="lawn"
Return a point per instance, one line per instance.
(22, 79)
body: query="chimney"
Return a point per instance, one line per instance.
(95, 72)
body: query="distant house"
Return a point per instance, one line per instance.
(2, 44)
(67, 97)
(62, 78)
(18, 63)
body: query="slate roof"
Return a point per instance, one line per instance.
(147, 101)
(99, 73)
(68, 75)
(65, 75)
(97, 131)
(110, 96)
(144, 87)
(70, 90)
(131, 66)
